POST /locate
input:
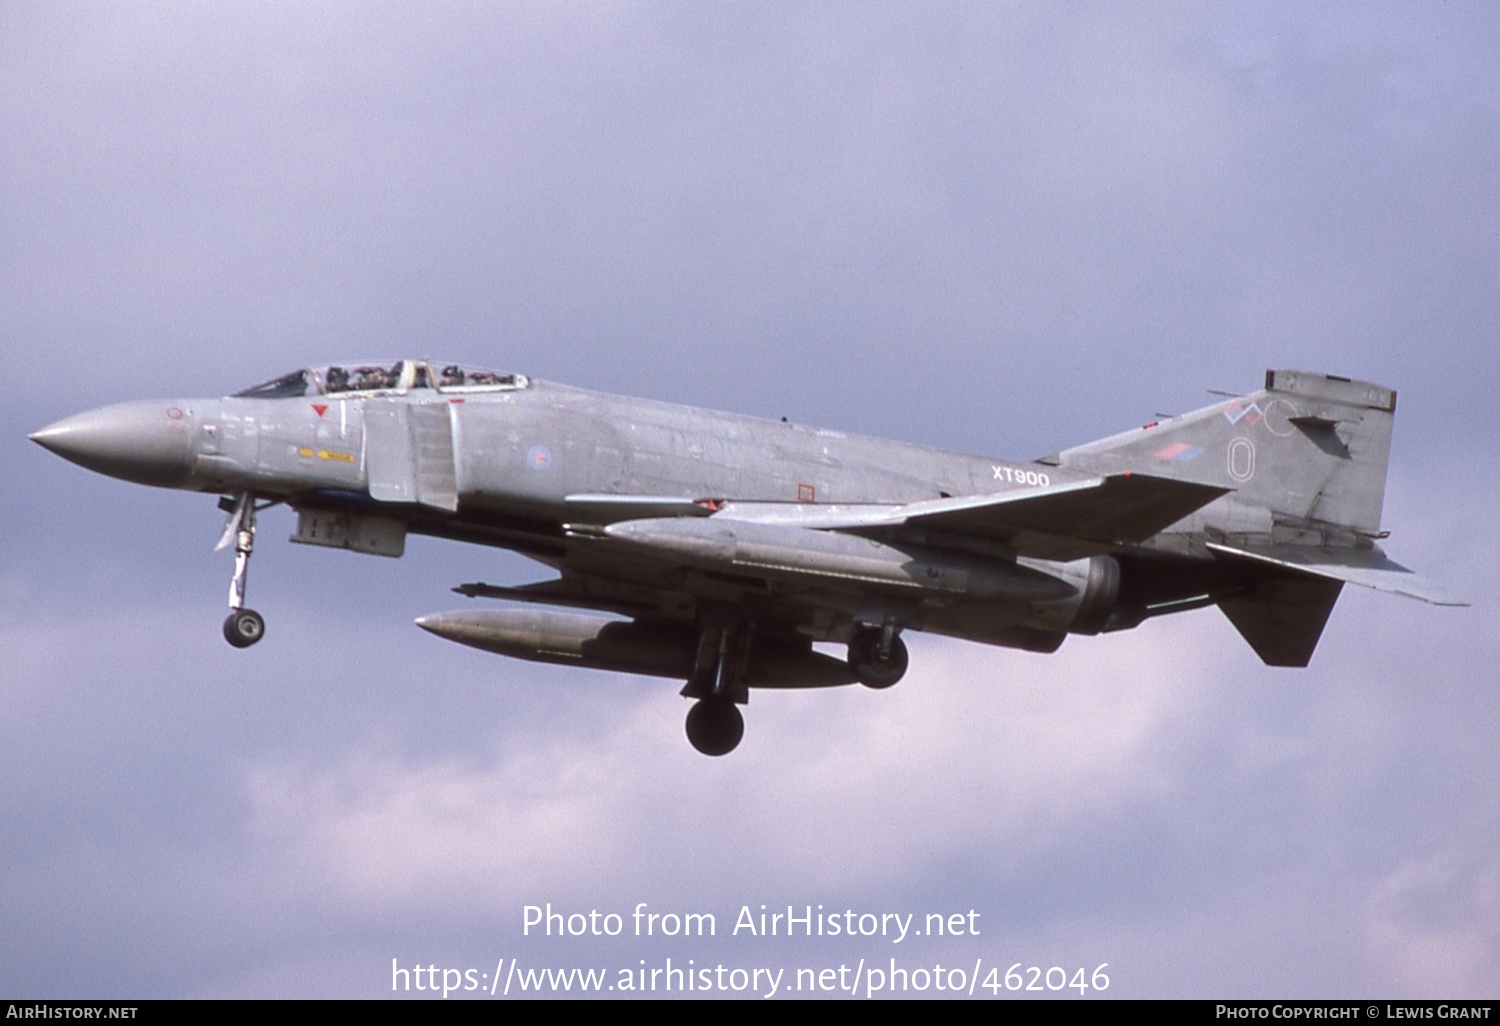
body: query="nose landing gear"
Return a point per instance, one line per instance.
(243, 627)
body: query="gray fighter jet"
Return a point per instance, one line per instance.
(719, 547)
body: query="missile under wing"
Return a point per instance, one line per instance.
(717, 549)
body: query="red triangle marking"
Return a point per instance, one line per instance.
(320, 408)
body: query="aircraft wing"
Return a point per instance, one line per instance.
(1058, 522)
(1368, 568)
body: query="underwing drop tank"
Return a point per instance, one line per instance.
(628, 646)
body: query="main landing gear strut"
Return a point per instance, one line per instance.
(714, 723)
(242, 627)
(877, 659)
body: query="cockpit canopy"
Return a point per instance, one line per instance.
(387, 376)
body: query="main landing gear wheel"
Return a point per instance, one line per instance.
(715, 726)
(244, 627)
(872, 669)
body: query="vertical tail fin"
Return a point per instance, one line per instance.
(1308, 449)
(1349, 423)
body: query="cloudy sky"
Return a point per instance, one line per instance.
(995, 228)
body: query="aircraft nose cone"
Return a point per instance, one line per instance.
(149, 443)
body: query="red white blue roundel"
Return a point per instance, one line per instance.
(539, 457)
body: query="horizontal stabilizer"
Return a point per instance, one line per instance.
(1368, 568)
(1059, 522)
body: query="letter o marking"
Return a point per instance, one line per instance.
(1241, 459)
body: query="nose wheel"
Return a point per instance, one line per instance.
(243, 627)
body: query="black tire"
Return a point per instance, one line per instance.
(244, 627)
(867, 666)
(715, 726)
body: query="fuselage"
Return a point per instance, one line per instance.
(518, 452)
(520, 463)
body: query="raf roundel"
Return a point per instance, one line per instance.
(538, 457)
